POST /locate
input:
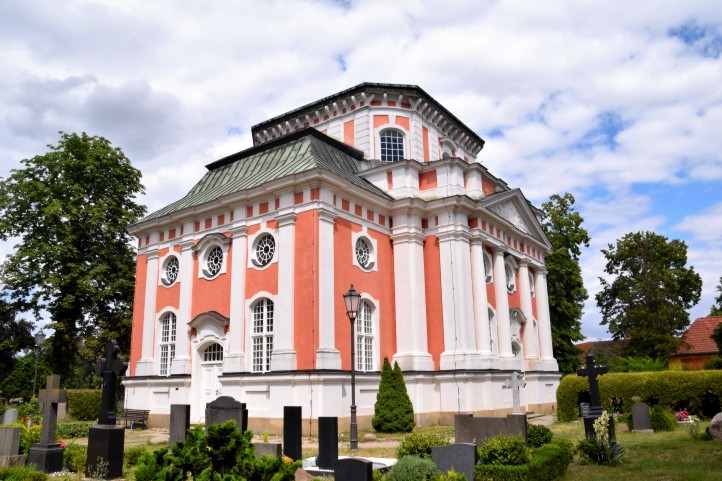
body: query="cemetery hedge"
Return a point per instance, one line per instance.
(84, 404)
(546, 463)
(73, 429)
(668, 388)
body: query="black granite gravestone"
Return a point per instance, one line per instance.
(47, 455)
(461, 457)
(327, 442)
(591, 371)
(353, 469)
(106, 441)
(641, 419)
(180, 422)
(292, 432)
(223, 409)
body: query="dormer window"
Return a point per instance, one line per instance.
(392, 145)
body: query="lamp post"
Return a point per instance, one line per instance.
(352, 299)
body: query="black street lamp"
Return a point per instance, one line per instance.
(352, 299)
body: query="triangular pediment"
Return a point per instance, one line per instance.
(513, 207)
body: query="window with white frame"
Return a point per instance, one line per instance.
(365, 337)
(213, 353)
(171, 267)
(167, 342)
(213, 261)
(392, 145)
(492, 330)
(264, 248)
(488, 268)
(262, 334)
(510, 277)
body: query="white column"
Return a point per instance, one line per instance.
(181, 363)
(481, 304)
(457, 302)
(545, 328)
(530, 330)
(327, 356)
(411, 336)
(502, 305)
(284, 354)
(234, 359)
(145, 364)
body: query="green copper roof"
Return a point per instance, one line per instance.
(299, 152)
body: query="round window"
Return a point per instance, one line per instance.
(363, 252)
(265, 248)
(214, 260)
(170, 270)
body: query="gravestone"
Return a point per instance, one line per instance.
(327, 442)
(354, 469)
(460, 457)
(715, 427)
(10, 416)
(47, 455)
(10, 447)
(62, 411)
(641, 420)
(516, 383)
(470, 429)
(292, 432)
(591, 371)
(225, 408)
(180, 422)
(106, 440)
(268, 449)
(583, 398)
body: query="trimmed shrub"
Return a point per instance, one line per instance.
(662, 419)
(133, 454)
(668, 388)
(413, 468)
(84, 404)
(420, 444)
(538, 436)
(545, 464)
(21, 473)
(74, 458)
(73, 429)
(393, 411)
(504, 450)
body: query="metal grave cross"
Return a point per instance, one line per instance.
(48, 399)
(110, 369)
(516, 383)
(591, 371)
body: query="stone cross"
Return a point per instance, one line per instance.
(591, 371)
(110, 369)
(49, 399)
(516, 383)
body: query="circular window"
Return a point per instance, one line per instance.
(170, 270)
(265, 248)
(363, 252)
(214, 260)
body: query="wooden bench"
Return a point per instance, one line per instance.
(136, 416)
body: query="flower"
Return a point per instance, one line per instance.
(601, 428)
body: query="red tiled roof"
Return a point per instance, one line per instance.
(698, 337)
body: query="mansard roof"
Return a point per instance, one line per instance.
(298, 152)
(406, 89)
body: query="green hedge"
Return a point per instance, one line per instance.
(666, 387)
(84, 404)
(547, 463)
(73, 429)
(21, 473)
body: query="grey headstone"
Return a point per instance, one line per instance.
(354, 469)
(9, 441)
(62, 411)
(470, 429)
(10, 416)
(223, 409)
(641, 420)
(268, 449)
(180, 422)
(715, 427)
(461, 457)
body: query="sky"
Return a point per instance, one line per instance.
(619, 103)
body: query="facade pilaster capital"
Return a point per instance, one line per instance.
(239, 231)
(286, 219)
(542, 271)
(326, 215)
(453, 235)
(186, 245)
(407, 234)
(522, 261)
(152, 253)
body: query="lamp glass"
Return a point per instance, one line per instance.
(352, 300)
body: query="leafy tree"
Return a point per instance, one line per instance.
(19, 381)
(393, 411)
(71, 208)
(716, 309)
(717, 337)
(651, 291)
(565, 285)
(15, 336)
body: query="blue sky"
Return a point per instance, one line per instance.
(622, 109)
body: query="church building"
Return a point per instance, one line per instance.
(240, 283)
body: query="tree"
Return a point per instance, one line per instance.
(565, 285)
(651, 291)
(716, 309)
(717, 337)
(393, 411)
(15, 336)
(71, 208)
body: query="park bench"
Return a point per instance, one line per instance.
(135, 416)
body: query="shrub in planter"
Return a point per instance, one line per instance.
(84, 404)
(393, 411)
(73, 429)
(538, 436)
(413, 468)
(662, 419)
(420, 444)
(74, 458)
(545, 464)
(506, 450)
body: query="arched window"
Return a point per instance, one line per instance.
(510, 270)
(213, 353)
(167, 342)
(392, 145)
(492, 331)
(365, 337)
(488, 267)
(262, 335)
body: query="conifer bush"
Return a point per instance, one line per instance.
(393, 411)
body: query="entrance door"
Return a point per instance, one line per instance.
(211, 369)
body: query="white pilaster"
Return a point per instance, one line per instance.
(327, 356)
(473, 184)
(502, 305)
(234, 360)
(181, 363)
(481, 303)
(284, 354)
(530, 330)
(145, 366)
(545, 329)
